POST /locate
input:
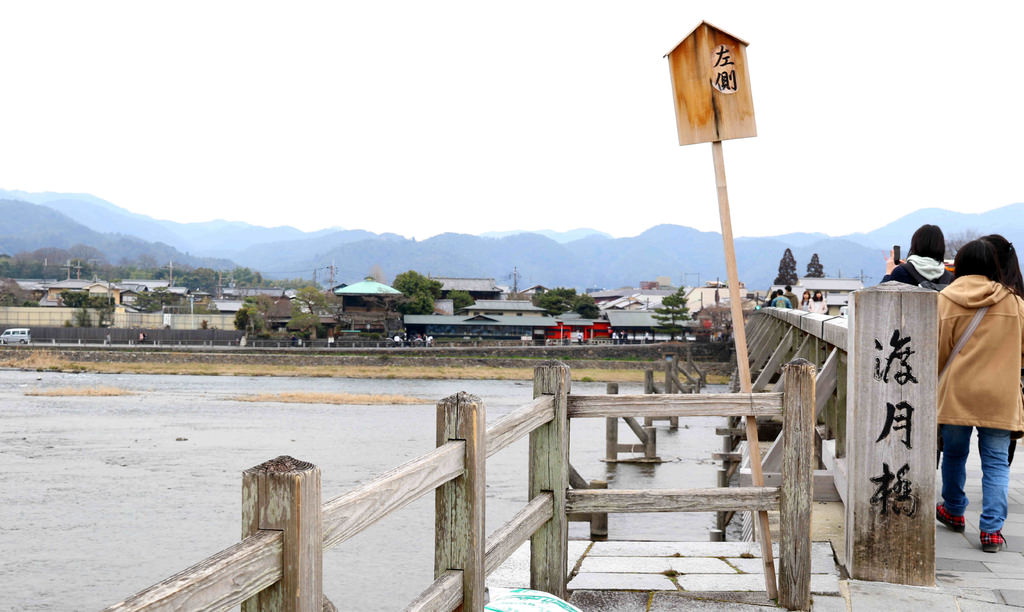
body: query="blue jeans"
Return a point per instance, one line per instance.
(993, 444)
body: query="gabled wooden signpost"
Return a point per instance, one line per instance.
(713, 103)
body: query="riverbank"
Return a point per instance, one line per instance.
(319, 365)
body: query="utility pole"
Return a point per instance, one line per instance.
(220, 290)
(78, 270)
(170, 266)
(515, 280)
(314, 277)
(332, 274)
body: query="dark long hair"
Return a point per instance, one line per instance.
(1009, 267)
(928, 241)
(978, 257)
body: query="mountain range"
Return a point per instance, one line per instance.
(581, 258)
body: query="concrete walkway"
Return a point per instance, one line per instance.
(627, 576)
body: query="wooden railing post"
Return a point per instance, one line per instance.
(549, 472)
(598, 520)
(797, 485)
(892, 345)
(459, 535)
(283, 494)
(611, 429)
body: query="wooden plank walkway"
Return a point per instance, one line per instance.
(627, 576)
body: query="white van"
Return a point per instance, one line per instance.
(16, 335)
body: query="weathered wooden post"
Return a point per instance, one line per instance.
(650, 442)
(611, 429)
(283, 494)
(890, 428)
(598, 520)
(797, 485)
(549, 472)
(459, 535)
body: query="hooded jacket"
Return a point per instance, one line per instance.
(982, 385)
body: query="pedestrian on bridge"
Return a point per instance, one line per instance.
(981, 349)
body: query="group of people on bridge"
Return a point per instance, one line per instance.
(980, 360)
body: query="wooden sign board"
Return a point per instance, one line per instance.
(711, 87)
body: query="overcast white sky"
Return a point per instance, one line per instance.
(424, 117)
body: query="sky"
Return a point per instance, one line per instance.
(426, 117)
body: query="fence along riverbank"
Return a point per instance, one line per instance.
(278, 565)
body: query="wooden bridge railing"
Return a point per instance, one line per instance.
(876, 412)
(278, 564)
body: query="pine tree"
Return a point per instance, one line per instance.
(672, 312)
(815, 269)
(787, 270)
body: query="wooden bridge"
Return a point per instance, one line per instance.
(861, 364)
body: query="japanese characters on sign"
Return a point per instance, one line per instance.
(895, 492)
(723, 70)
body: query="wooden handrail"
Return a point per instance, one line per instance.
(349, 513)
(672, 500)
(219, 582)
(445, 593)
(519, 423)
(705, 404)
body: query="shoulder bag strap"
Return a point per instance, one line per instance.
(973, 325)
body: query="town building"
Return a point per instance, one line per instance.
(506, 308)
(477, 288)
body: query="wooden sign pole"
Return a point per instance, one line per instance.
(713, 102)
(743, 362)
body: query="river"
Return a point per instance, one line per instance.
(103, 496)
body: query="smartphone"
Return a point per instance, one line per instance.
(896, 253)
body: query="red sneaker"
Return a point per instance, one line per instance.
(956, 523)
(992, 542)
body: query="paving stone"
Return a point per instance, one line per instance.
(970, 605)
(1014, 597)
(874, 596)
(721, 582)
(828, 603)
(975, 580)
(668, 602)
(621, 582)
(822, 562)
(960, 565)
(1004, 567)
(986, 595)
(824, 584)
(676, 549)
(657, 565)
(610, 601)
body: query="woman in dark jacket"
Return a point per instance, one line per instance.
(924, 262)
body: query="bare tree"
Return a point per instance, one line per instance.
(958, 239)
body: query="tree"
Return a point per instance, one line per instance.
(585, 307)
(460, 299)
(556, 301)
(155, 300)
(561, 300)
(787, 270)
(815, 269)
(419, 291)
(673, 311)
(957, 240)
(252, 316)
(307, 305)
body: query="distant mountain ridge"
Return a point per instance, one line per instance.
(577, 258)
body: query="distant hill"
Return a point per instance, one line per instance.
(27, 227)
(577, 258)
(560, 237)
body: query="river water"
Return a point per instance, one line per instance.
(103, 496)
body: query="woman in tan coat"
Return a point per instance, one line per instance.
(981, 387)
